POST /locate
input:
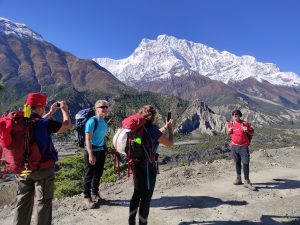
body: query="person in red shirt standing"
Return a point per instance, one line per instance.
(239, 130)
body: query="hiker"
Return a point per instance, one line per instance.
(95, 153)
(40, 183)
(239, 131)
(145, 174)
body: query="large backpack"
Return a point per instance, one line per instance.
(80, 120)
(20, 152)
(249, 136)
(133, 142)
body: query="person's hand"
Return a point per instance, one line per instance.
(229, 130)
(63, 105)
(169, 124)
(92, 159)
(245, 129)
(53, 108)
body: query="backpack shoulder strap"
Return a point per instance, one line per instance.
(96, 124)
(149, 143)
(148, 133)
(245, 123)
(231, 123)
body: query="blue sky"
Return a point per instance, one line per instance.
(269, 30)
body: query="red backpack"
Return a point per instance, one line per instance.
(248, 135)
(19, 151)
(132, 142)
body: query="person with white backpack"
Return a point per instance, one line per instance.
(144, 167)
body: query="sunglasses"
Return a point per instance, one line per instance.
(103, 107)
(236, 114)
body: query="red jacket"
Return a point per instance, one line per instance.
(239, 137)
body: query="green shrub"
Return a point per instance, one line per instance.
(183, 163)
(109, 174)
(67, 188)
(69, 178)
(70, 175)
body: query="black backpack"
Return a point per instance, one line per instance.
(80, 120)
(140, 145)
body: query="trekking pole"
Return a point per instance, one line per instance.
(27, 114)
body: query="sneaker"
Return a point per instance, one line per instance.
(88, 203)
(238, 180)
(247, 184)
(96, 198)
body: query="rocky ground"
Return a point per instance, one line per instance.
(201, 193)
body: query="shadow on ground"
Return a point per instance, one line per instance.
(279, 184)
(187, 202)
(264, 220)
(181, 202)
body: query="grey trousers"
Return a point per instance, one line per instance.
(240, 154)
(39, 184)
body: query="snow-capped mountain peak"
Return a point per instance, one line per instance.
(168, 56)
(18, 29)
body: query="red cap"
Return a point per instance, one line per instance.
(36, 100)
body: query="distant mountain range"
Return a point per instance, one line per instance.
(28, 63)
(168, 56)
(156, 65)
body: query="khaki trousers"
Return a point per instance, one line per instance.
(39, 185)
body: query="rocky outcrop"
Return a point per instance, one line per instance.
(200, 118)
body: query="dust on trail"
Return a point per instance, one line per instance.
(200, 194)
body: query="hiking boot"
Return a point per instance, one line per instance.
(247, 184)
(88, 203)
(96, 198)
(238, 180)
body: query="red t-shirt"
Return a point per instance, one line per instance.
(239, 137)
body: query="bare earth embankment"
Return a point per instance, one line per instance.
(200, 194)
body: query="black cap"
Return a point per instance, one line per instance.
(237, 111)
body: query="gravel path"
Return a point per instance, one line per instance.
(200, 194)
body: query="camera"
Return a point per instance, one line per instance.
(57, 104)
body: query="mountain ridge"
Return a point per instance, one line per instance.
(153, 59)
(18, 29)
(155, 64)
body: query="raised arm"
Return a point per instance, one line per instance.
(168, 141)
(66, 124)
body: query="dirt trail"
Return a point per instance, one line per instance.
(200, 194)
